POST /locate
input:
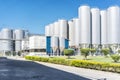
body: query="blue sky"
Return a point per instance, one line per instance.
(33, 15)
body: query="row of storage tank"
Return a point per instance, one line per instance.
(93, 28)
(57, 37)
(10, 40)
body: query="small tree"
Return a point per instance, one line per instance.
(92, 50)
(119, 51)
(105, 51)
(115, 57)
(85, 52)
(68, 52)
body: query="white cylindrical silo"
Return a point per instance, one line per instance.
(54, 44)
(95, 15)
(6, 33)
(84, 15)
(7, 45)
(54, 41)
(104, 36)
(25, 44)
(71, 33)
(56, 29)
(61, 44)
(51, 26)
(6, 41)
(26, 34)
(77, 32)
(47, 30)
(113, 25)
(19, 35)
(63, 28)
(18, 45)
(113, 14)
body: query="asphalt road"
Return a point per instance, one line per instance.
(28, 70)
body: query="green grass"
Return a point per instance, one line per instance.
(91, 58)
(101, 59)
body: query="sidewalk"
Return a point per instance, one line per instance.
(15, 57)
(88, 73)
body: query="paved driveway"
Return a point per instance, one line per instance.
(27, 70)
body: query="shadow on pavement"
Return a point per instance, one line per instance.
(28, 70)
(3, 57)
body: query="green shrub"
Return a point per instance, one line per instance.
(119, 51)
(115, 57)
(105, 51)
(85, 52)
(19, 53)
(92, 50)
(68, 52)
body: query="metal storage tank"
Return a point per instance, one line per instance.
(71, 33)
(95, 15)
(63, 28)
(54, 44)
(104, 36)
(61, 45)
(84, 15)
(47, 30)
(26, 34)
(48, 34)
(56, 29)
(6, 39)
(51, 27)
(18, 46)
(25, 44)
(6, 33)
(18, 35)
(114, 27)
(7, 45)
(77, 32)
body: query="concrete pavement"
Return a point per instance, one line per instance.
(87, 73)
(12, 69)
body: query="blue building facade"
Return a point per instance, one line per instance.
(48, 45)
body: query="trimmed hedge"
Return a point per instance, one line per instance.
(112, 67)
(51, 60)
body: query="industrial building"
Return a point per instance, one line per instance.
(37, 44)
(57, 37)
(10, 40)
(93, 28)
(21, 41)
